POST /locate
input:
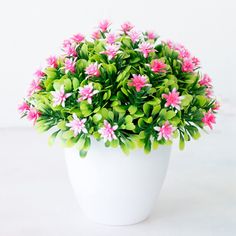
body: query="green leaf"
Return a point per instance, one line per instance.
(51, 72)
(130, 126)
(124, 148)
(75, 83)
(83, 153)
(132, 109)
(148, 146)
(62, 125)
(124, 74)
(146, 108)
(96, 118)
(128, 119)
(156, 109)
(67, 85)
(52, 138)
(170, 114)
(181, 142)
(187, 100)
(81, 64)
(84, 51)
(68, 134)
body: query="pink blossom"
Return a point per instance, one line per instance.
(39, 74)
(52, 61)
(96, 35)
(70, 65)
(103, 25)
(23, 107)
(107, 131)
(86, 93)
(33, 114)
(187, 66)
(34, 87)
(195, 61)
(127, 26)
(138, 81)
(206, 81)
(111, 50)
(158, 66)
(165, 131)
(170, 44)
(216, 106)
(66, 43)
(78, 38)
(77, 125)
(111, 38)
(173, 99)
(59, 97)
(145, 48)
(209, 92)
(70, 51)
(151, 35)
(209, 119)
(134, 36)
(93, 70)
(183, 52)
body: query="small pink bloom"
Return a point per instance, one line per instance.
(86, 93)
(78, 38)
(183, 52)
(34, 87)
(59, 97)
(158, 66)
(151, 35)
(23, 107)
(52, 61)
(127, 26)
(134, 36)
(165, 131)
(187, 66)
(39, 74)
(77, 125)
(216, 106)
(206, 81)
(209, 119)
(103, 25)
(96, 35)
(170, 44)
(173, 99)
(209, 92)
(107, 131)
(70, 65)
(111, 38)
(66, 43)
(33, 114)
(195, 61)
(111, 50)
(70, 51)
(145, 48)
(93, 70)
(138, 81)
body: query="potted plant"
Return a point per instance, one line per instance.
(119, 99)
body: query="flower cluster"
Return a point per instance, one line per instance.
(127, 88)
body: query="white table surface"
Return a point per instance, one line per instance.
(198, 197)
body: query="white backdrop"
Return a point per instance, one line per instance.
(33, 30)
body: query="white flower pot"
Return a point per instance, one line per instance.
(115, 189)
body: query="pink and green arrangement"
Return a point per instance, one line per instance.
(126, 88)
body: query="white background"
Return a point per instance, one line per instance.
(199, 196)
(33, 30)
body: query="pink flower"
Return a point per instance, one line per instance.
(187, 66)
(34, 87)
(165, 131)
(111, 38)
(39, 74)
(70, 65)
(170, 44)
(127, 26)
(107, 131)
(33, 114)
(59, 97)
(93, 70)
(145, 48)
(77, 125)
(52, 61)
(151, 35)
(103, 25)
(209, 119)
(86, 93)
(173, 99)
(70, 51)
(209, 92)
(183, 52)
(78, 38)
(23, 107)
(158, 66)
(134, 36)
(111, 50)
(139, 81)
(195, 61)
(206, 81)
(96, 35)
(66, 43)
(216, 106)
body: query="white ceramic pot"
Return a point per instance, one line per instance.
(115, 189)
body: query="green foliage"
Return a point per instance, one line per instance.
(133, 114)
